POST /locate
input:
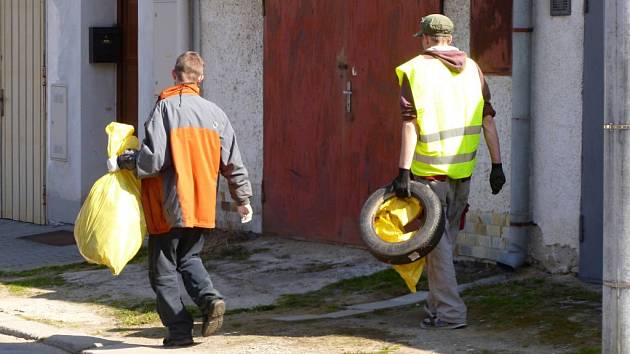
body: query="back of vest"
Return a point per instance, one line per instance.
(449, 114)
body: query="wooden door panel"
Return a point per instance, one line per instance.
(320, 161)
(127, 105)
(303, 117)
(380, 39)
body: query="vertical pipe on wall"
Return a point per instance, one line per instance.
(195, 23)
(520, 217)
(616, 271)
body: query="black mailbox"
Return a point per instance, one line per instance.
(105, 45)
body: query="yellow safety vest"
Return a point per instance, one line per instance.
(449, 113)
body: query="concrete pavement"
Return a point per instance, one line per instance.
(20, 254)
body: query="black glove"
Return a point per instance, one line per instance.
(497, 178)
(400, 185)
(127, 160)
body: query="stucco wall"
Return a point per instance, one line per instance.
(557, 128)
(98, 94)
(232, 46)
(63, 52)
(91, 101)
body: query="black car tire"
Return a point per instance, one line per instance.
(421, 243)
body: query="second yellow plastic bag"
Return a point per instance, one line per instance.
(389, 224)
(110, 227)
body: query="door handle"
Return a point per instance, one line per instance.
(348, 93)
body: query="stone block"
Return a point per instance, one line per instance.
(463, 250)
(480, 229)
(493, 230)
(497, 242)
(484, 241)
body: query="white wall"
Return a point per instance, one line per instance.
(98, 94)
(557, 124)
(232, 47)
(63, 53)
(91, 101)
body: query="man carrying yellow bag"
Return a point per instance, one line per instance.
(188, 142)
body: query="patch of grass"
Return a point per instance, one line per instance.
(261, 308)
(387, 283)
(135, 314)
(557, 313)
(235, 253)
(23, 286)
(588, 350)
(50, 270)
(385, 350)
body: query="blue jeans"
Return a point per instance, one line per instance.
(178, 252)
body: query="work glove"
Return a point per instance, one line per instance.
(127, 160)
(497, 178)
(400, 185)
(246, 213)
(112, 164)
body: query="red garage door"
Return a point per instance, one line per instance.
(331, 115)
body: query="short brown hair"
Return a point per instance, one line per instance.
(189, 67)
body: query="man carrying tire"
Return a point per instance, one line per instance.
(445, 104)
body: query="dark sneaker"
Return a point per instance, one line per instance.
(428, 313)
(436, 323)
(178, 342)
(212, 317)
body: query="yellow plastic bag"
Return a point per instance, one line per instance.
(389, 224)
(110, 226)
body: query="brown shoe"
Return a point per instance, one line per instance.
(212, 317)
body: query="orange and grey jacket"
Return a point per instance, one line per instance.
(188, 142)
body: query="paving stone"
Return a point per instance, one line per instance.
(18, 254)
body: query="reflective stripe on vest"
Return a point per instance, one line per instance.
(449, 109)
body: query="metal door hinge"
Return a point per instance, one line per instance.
(348, 93)
(43, 76)
(44, 195)
(615, 126)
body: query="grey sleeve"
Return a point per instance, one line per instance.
(154, 149)
(232, 167)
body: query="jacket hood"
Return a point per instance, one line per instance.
(453, 58)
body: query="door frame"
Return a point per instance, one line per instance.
(592, 188)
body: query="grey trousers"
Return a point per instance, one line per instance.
(172, 253)
(443, 299)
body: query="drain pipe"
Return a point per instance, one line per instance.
(195, 30)
(520, 219)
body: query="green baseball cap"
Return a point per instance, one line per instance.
(435, 25)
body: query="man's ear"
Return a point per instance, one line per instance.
(174, 75)
(200, 79)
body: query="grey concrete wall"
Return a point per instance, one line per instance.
(98, 95)
(146, 99)
(91, 101)
(557, 131)
(232, 46)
